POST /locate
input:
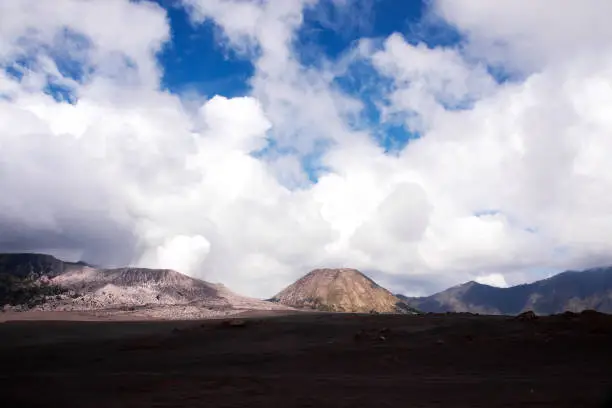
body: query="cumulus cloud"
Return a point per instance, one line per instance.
(504, 179)
(528, 36)
(183, 253)
(429, 81)
(99, 34)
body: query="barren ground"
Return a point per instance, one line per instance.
(307, 360)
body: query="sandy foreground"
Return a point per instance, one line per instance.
(113, 316)
(266, 359)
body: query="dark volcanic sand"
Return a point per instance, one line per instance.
(309, 360)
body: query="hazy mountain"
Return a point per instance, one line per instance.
(47, 283)
(571, 290)
(340, 290)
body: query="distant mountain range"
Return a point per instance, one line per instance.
(568, 291)
(340, 290)
(42, 282)
(45, 283)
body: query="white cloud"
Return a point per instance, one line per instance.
(527, 35)
(514, 176)
(302, 104)
(429, 80)
(110, 32)
(183, 253)
(495, 279)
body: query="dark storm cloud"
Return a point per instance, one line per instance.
(97, 241)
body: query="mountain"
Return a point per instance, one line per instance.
(102, 288)
(46, 283)
(22, 265)
(340, 290)
(568, 291)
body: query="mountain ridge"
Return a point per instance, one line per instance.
(567, 291)
(44, 282)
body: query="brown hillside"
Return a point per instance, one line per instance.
(340, 290)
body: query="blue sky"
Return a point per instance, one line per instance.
(196, 61)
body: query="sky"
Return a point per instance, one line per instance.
(248, 142)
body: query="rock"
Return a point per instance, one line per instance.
(527, 316)
(569, 315)
(591, 313)
(237, 323)
(233, 323)
(372, 335)
(359, 335)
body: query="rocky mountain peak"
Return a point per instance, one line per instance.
(339, 290)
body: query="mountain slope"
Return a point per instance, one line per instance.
(24, 278)
(22, 265)
(104, 288)
(47, 283)
(571, 290)
(340, 290)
